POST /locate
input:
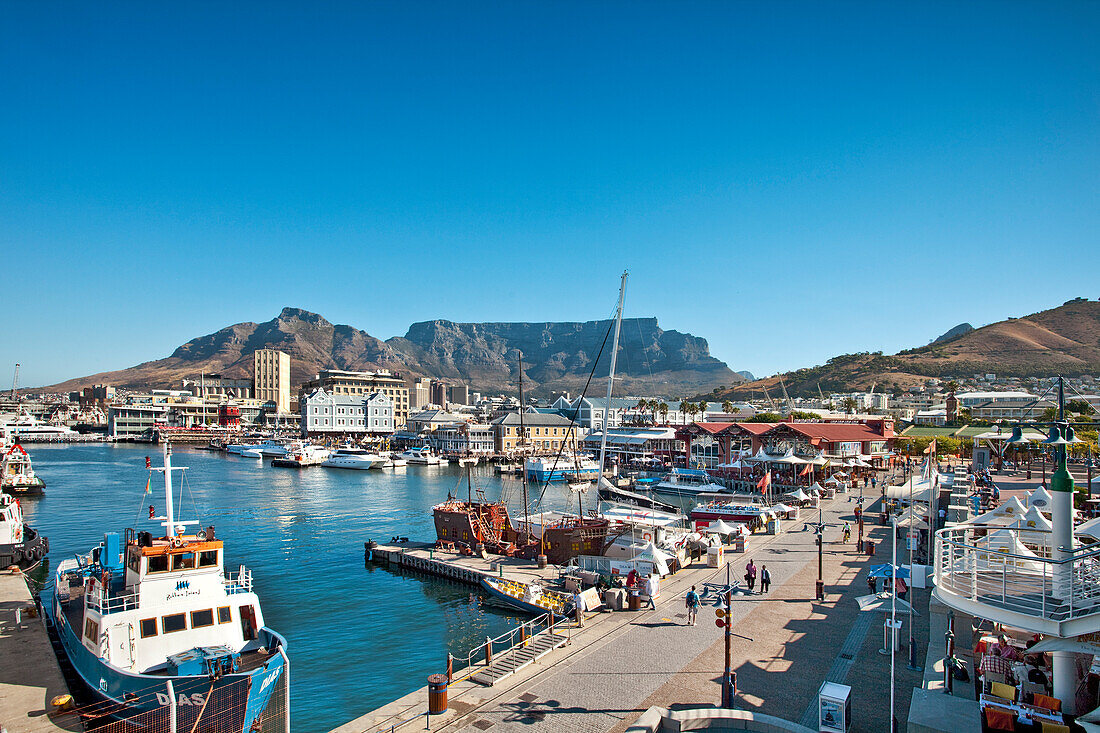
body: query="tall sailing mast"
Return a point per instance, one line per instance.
(611, 376)
(522, 440)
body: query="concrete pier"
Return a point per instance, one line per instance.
(29, 675)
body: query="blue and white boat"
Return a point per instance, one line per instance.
(564, 467)
(160, 635)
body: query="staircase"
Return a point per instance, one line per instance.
(519, 657)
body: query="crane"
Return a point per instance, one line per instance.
(787, 397)
(15, 381)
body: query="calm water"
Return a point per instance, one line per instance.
(359, 636)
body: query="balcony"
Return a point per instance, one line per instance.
(1008, 576)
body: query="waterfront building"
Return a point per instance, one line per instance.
(592, 413)
(215, 385)
(872, 438)
(463, 438)
(129, 420)
(271, 378)
(437, 394)
(970, 400)
(428, 421)
(634, 443)
(324, 413)
(542, 432)
(342, 382)
(934, 416)
(1011, 409)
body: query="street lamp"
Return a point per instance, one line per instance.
(819, 530)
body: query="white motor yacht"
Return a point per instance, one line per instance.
(392, 460)
(421, 457)
(358, 458)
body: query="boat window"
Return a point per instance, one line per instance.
(175, 622)
(184, 561)
(204, 617)
(91, 631)
(135, 561)
(208, 558)
(148, 627)
(158, 564)
(224, 615)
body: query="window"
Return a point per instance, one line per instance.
(158, 564)
(91, 631)
(135, 560)
(201, 618)
(208, 558)
(183, 561)
(148, 627)
(175, 622)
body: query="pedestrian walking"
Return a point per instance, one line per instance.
(871, 585)
(691, 602)
(765, 579)
(750, 575)
(578, 607)
(653, 589)
(874, 482)
(847, 533)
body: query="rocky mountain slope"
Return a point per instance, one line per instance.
(1063, 340)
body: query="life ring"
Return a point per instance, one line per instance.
(647, 536)
(175, 542)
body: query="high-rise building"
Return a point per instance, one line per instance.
(460, 394)
(271, 378)
(439, 394)
(419, 392)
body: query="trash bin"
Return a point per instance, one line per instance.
(634, 601)
(437, 693)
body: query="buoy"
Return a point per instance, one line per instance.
(62, 702)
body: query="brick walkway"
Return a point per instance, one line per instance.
(785, 646)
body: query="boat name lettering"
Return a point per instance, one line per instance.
(193, 700)
(268, 680)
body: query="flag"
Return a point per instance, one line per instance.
(149, 484)
(805, 470)
(827, 462)
(765, 482)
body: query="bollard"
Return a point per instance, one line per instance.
(450, 668)
(542, 561)
(913, 656)
(500, 570)
(820, 590)
(488, 651)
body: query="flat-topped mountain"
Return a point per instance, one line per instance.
(557, 356)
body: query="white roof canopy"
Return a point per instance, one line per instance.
(1040, 498)
(1005, 514)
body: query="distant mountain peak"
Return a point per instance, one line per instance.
(298, 314)
(960, 330)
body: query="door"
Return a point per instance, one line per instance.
(122, 646)
(248, 623)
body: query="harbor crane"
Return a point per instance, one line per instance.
(15, 381)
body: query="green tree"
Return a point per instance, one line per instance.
(951, 385)
(1080, 407)
(663, 409)
(849, 404)
(727, 407)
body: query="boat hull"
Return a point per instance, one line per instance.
(25, 554)
(31, 487)
(232, 702)
(490, 587)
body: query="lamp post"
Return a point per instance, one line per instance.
(820, 532)
(1061, 489)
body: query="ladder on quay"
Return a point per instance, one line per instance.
(519, 657)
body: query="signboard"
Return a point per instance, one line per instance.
(914, 539)
(591, 598)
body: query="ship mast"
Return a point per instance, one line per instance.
(611, 376)
(170, 524)
(522, 440)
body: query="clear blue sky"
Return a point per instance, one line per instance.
(788, 180)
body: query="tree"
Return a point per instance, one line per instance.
(663, 409)
(849, 404)
(727, 407)
(951, 386)
(1081, 407)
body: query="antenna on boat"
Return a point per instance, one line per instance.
(170, 524)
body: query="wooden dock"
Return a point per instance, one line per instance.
(29, 674)
(426, 558)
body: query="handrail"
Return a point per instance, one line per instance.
(545, 621)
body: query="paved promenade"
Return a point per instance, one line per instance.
(786, 645)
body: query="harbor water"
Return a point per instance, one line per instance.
(359, 636)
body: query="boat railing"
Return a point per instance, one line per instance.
(481, 656)
(1014, 570)
(238, 582)
(101, 599)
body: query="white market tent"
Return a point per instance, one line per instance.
(832, 480)
(1006, 541)
(920, 489)
(1089, 529)
(658, 557)
(798, 495)
(1040, 498)
(760, 456)
(1007, 513)
(720, 527)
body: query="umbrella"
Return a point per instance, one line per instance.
(882, 602)
(885, 571)
(840, 474)
(1065, 645)
(783, 508)
(720, 527)
(832, 480)
(799, 495)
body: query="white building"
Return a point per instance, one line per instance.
(364, 414)
(970, 400)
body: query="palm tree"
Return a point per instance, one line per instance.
(727, 407)
(662, 407)
(849, 404)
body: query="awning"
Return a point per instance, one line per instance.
(882, 602)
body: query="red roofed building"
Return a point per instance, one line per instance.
(716, 442)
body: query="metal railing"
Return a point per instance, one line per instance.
(102, 600)
(1034, 584)
(481, 656)
(238, 582)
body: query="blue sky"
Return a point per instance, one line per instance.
(788, 180)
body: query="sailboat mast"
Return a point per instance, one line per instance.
(522, 440)
(169, 515)
(611, 376)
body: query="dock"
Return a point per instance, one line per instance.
(29, 674)
(424, 557)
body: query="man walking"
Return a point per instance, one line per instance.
(653, 589)
(750, 575)
(691, 601)
(578, 607)
(765, 579)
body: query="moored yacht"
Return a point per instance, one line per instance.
(357, 458)
(17, 476)
(688, 481)
(159, 633)
(421, 457)
(303, 456)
